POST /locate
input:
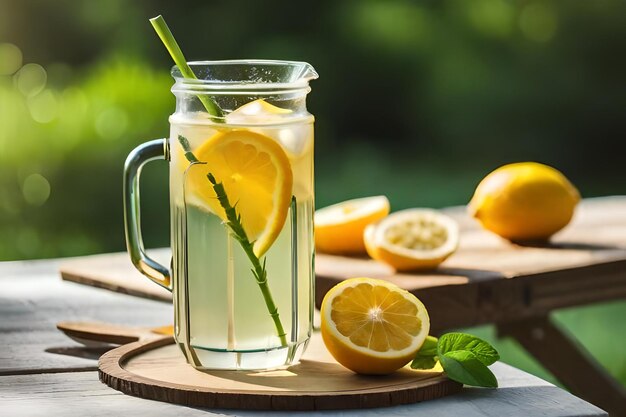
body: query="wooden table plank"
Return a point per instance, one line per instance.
(34, 298)
(116, 272)
(80, 394)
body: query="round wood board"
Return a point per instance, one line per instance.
(156, 370)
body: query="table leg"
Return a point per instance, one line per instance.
(569, 362)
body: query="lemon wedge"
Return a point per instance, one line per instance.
(412, 239)
(257, 178)
(339, 228)
(371, 326)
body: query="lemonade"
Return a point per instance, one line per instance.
(221, 315)
(241, 205)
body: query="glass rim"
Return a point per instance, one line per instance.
(307, 73)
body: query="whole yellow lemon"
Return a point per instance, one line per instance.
(524, 201)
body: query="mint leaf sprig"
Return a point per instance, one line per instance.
(233, 221)
(464, 358)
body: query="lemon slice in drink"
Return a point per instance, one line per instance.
(371, 326)
(413, 239)
(257, 179)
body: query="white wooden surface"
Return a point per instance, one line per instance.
(39, 369)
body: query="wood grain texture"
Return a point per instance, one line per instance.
(34, 299)
(157, 370)
(115, 272)
(80, 394)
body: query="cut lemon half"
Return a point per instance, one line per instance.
(257, 179)
(339, 228)
(371, 326)
(413, 239)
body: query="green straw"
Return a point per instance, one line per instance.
(176, 53)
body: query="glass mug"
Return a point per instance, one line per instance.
(238, 303)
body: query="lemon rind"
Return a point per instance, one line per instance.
(365, 207)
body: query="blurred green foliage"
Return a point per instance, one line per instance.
(434, 94)
(417, 100)
(62, 153)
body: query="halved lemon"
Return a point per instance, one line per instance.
(339, 228)
(257, 179)
(371, 326)
(413, 239)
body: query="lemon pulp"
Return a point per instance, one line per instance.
(372, 326)
(412, 239)
(257, 178)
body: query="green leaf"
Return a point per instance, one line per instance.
(429, 348)
(464, 367)
(424, 362)
(426, 357)
(481, 349)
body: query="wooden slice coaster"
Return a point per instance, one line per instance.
(156, 370)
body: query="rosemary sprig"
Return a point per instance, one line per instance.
(188, 154)
(238, 232)
(259, 271)
(176, 53)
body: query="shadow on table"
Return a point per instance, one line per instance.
(567, 245)
(314, 375)
(85, 352)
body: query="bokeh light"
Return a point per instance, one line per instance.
(111, 123)
(36, 189)
(10, 58)
(31, 79)
(43, 107)
(391, 25)
(538, 22)
(494, 18)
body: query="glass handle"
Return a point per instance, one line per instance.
(137, 158)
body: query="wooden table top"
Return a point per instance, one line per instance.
(42, 372)
(490, 280)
